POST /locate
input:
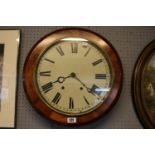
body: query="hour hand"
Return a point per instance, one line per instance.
(61, 79)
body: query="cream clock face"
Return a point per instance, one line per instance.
(73, 76)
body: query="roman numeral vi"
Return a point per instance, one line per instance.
(71, 103)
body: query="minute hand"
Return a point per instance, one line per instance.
(88, 89)
(61, 79)
(75, 77)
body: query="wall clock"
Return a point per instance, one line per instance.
(144, 86)
(72, 76)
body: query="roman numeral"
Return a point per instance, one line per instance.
(71, 103)
(100, 76)
(96, 90)
(60, 51)
(74, 47)
(97, 62)
(51, 61)
(86, 100)
(47, 87)
(46, 73)
(57, 97)
(87, 51)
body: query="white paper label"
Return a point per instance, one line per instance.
(71, 120)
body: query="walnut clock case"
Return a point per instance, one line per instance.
(73, 76)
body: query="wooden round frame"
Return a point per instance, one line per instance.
(137, 86)
(42, 45)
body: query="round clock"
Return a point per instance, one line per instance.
(144, 86)
(72, 76)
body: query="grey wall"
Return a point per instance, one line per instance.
(128, 41)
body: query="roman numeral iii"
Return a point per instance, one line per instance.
(100, 76)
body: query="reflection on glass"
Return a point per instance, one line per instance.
(1, 67)
(74, 39)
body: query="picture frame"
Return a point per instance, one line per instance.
(9, 46)
(144, 86)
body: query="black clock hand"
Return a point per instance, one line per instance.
(90, 90)
(73, 75)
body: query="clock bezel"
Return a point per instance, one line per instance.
(42, 45)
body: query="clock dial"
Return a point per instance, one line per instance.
(73, 76)
(80, 75)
